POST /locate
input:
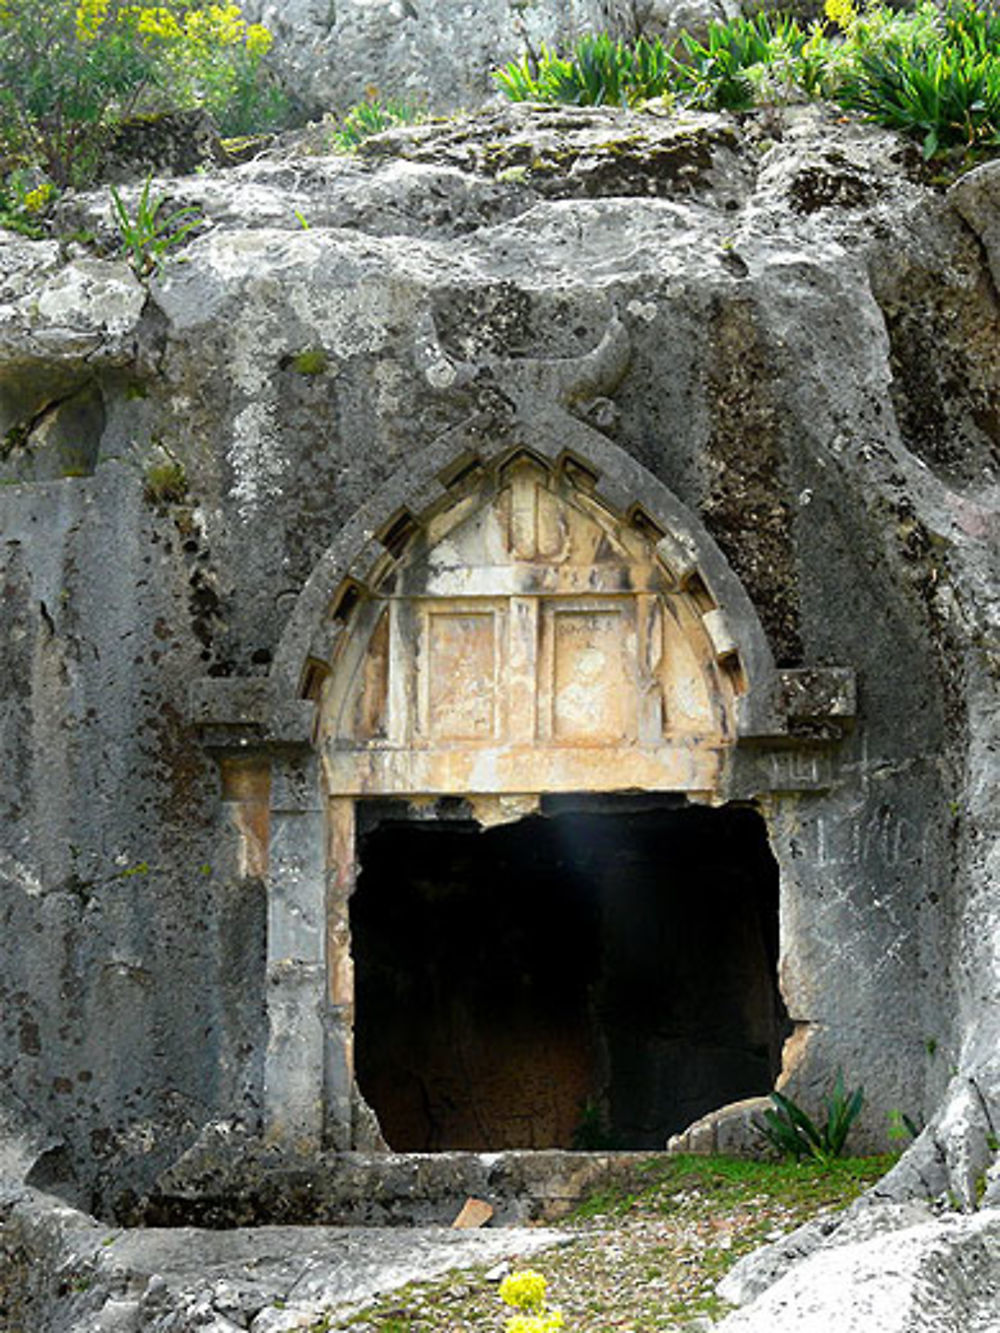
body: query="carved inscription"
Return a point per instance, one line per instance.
(586, 681)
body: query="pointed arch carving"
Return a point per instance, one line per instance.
(524, 637)
(590, 482)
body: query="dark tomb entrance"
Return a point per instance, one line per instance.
(598, 975)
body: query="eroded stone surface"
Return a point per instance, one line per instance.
(883, 1270)
(773, 291)
(66, 1273)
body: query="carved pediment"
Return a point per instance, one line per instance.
(527, 639)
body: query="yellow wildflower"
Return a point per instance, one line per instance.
(215, 25)
(259, 40)
(36, 200)
(841, 12)
(90, 14)
(156, 23)
(228, 24)
(524, 1290)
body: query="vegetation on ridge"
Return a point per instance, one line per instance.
(73, 72)
(929, 72)
(645, 1260)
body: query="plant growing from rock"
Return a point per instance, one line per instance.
(23, 206)
(166, 483)
(946, 94)
(794, 1134)
(716, 73)
(372, 116)
(71, 70)
(147, 237)
(932, 73)
(599, 72)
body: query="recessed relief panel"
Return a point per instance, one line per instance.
(459, 668)
(689, 700)
(588, 668)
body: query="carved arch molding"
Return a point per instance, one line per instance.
(528, 640)
(525, 611)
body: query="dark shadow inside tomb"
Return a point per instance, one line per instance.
(596, 976)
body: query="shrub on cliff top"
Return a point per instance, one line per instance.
(70, 70)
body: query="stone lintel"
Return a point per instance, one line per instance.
(782, 766)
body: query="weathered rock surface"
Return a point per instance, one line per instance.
(442, 55)
(813, 369)
(883, 1270)
(62, 1272)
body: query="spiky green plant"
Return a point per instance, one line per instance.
(147, 236)
(945, 95)
(714, 73)
(372, 116)
(795, 1134)
(599, 71)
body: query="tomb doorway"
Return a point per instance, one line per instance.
(596, 975)
(544, 644)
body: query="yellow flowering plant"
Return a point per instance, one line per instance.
(524, 1291)
(24, 205)
(841, 12)
(71, 70)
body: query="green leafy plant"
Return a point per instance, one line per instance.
(591, 1133)
(901, 1129)
(944, 95)
(146, 236)
(599, 72)
(72, 70)
(715, 73)
(372, 116)
(794, 1134)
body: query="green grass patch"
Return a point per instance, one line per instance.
(726, 1181)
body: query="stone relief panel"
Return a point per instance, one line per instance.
(527, 639)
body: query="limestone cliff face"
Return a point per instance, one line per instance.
(812, 370)
(332, 54)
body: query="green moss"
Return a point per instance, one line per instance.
(15, 438)
(512, 174)
(310, 361)
(166, 483)
(141, 869)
